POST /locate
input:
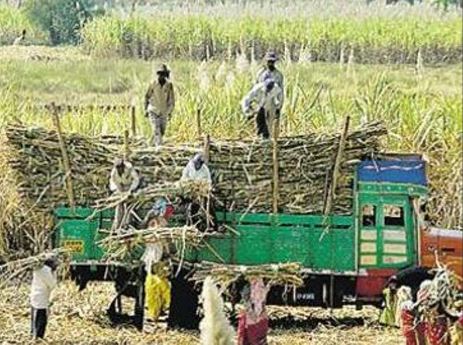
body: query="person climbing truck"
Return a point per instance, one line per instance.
(159, 103)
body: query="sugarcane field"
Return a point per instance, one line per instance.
(231, 172)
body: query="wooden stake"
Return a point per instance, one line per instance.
(276, 125)
(336, 167)
(198, 122)
(207, 144)
(206, 160)
(126, 145)
(133, 119)
(64, 154)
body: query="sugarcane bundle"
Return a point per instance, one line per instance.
(39, 165)
(168, 190)
(15, 270)
(215, 328)
(122, 245)
(442, 289)
(276, 274)
(242, 171)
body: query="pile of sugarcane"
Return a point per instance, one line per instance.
(242, 171)
(16, 270)
(274, 274)
(442, 290)
(39, 163)
(169, 190)
(121, 245)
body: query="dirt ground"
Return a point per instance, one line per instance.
(79, 318)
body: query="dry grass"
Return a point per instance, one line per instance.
(79, 318)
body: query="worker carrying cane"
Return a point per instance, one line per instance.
(264, 103)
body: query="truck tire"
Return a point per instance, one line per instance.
(184, 304)
(139, 310)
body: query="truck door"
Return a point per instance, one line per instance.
(386, 226)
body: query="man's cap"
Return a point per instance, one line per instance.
(271, 56)
(162, 68)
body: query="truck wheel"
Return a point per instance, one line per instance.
(184, 304)
(139, 311)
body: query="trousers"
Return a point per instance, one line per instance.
(264, 123)
(39, 319)
(159, 125)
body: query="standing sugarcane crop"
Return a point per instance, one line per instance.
(160, 102)
(43, 282)
(264, 102)
(124, 178)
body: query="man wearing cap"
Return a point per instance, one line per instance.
(43, 282)
(160, 102)
(264, 102)
(270, 69)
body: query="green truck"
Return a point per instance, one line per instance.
(345, 258)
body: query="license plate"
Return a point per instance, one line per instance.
(74, 246)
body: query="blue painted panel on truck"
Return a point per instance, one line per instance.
(411, 170)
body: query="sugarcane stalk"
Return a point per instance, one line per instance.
(133, 120)
(198, 122)
(64, 153)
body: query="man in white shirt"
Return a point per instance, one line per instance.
(197, 170)
(43, 282)
(264, 101)
(124, 178)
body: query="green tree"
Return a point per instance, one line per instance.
(62, 19)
